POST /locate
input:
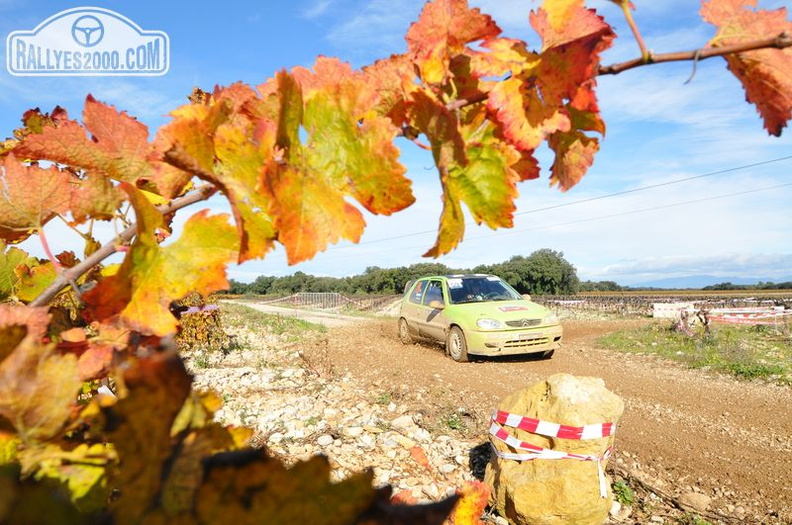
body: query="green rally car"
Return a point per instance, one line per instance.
(476, 314)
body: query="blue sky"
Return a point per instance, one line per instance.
(687, 181)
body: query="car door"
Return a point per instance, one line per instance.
(432, 321)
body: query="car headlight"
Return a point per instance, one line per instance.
(550, 318)
(488, 324)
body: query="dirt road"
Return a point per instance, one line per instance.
(682, 430)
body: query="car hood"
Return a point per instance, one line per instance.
(502, 310)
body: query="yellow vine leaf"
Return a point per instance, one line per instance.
(471, 505)
(247, 487)
(10, 258)
(33, 279)
(152, 276)
(37, 386)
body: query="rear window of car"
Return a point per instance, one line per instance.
(417, 292)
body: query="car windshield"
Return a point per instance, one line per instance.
(477, 289)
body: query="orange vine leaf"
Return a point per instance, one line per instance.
(443, 29)
(31, 197)
(766, 74)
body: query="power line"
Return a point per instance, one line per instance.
(505, 232)
(591, 199)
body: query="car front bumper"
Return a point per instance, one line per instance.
(511, 342)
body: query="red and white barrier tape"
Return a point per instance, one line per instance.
(544, 428)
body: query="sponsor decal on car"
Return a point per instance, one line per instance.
(511, 308)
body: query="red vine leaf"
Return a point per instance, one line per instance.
(31, 196)
(443, 30)
(766, 74)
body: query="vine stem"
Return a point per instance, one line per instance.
(70, 275)
(780, 41)
(646, 55)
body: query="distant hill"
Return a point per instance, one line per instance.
(696, 282)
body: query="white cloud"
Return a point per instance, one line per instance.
(375, 28)
(317, 9)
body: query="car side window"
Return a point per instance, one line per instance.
(434, 292)
(417, 293)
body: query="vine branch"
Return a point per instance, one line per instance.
(780, 41)
(70, 275)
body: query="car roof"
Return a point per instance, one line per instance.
(457, 276)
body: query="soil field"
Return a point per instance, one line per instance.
(683, 430)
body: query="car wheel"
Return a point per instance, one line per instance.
(456, 346)
(404, 332)
(548, 354)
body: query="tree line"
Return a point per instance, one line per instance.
(544, 272)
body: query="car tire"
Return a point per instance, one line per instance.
(404, 332)
(456, 345)
(548, 354)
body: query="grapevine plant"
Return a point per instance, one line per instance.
(289, 156)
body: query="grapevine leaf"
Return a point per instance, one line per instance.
(488, 184)
(506, 56)
(95, 362)
(574, 150)
(93, 197)
(29, 501)
(80, 470)
(525, 118)
(10, 258)
(242, 147)
(341, 156)
(34, 279)
(151, 276)
(766, 74)
(571, 49)
(443, 29)
(142, 437)
(476, 167)
(471, 505)
(118, 146)
(31, 196)
(37, 386)
(188, 137)
(249, 487)
(391, 78)
(441, 127)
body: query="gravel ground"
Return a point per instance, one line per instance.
(691, 443)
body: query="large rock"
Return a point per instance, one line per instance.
(555, 491)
